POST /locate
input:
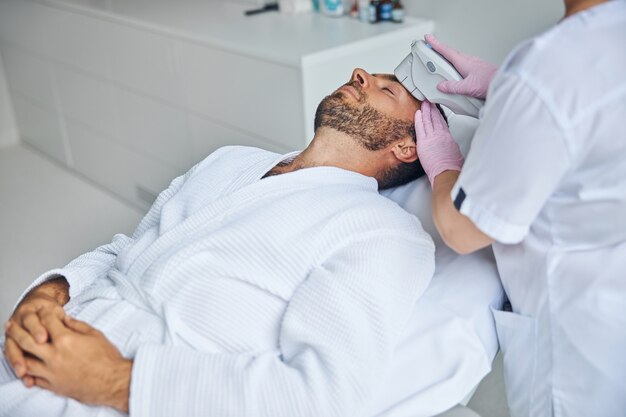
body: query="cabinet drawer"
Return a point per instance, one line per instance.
(207, 136)
(28, 75)
(142, 61)
(152, 128)
(252, 95)
(75, 40)
(132, 176)
(21, 23)
(87, 99)
(39, 127)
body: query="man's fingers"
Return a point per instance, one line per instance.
(52, 320)
(36, 368)
(43, 383)
(29, 381)
(26, 342)
(31, 322)
(15, 357)
(77, 325)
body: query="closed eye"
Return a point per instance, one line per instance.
(385, 88)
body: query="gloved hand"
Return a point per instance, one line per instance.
(436, 149)
(477, 74)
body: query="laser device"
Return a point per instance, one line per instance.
(423, 69)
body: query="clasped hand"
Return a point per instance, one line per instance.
(51, 350)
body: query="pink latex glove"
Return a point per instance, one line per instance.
(477, 74)
(436, 148)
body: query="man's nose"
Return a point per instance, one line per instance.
(360, 76)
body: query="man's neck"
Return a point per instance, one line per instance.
(332, 148)
(576, 6)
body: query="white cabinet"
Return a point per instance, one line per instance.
(129, 174)
(142, 60)
(131, 94)
(40, 127)
(29, 75)
(259, 97)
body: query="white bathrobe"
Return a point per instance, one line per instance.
(242, 296)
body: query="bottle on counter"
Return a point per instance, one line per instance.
(386, 7)
(364, 10)
(397, 14)
(374, 11)
(331, 7)
(354, 9)
(292, 7)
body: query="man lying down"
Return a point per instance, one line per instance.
(256, 285)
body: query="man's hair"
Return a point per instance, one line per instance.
(405, 172)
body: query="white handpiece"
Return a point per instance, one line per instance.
(423, 69)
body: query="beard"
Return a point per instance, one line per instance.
(369, 127)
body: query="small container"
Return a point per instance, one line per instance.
(374, 11)
(354, 9)
(397, 14)
(364, 10)
(292, 7)
(386, 7)
(332, 7)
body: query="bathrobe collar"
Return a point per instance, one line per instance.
(318, 174)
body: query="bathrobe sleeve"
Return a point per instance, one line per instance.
(338, 333)
(93, 266)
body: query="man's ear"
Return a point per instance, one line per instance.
(405, 151)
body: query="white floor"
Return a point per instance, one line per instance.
(49, 215)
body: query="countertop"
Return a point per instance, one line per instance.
(292, 40)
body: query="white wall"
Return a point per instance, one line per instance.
(487, 28)
(8, 130)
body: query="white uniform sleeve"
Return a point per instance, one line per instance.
(335, 342)
(93, 266)
(517, 159)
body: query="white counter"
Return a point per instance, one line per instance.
(130, 93)
(289, 40)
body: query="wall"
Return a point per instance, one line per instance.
(8, 130)
(487, 28)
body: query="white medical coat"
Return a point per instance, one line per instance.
(546, 178)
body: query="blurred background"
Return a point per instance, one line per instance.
(103, 102)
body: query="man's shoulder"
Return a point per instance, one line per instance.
(234, 158)
(234, 153)
(374, 212)
(385, 231)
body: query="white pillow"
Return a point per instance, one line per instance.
(450, 340)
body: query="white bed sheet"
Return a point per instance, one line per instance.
(450, 340)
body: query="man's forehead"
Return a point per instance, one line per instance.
(393, 78)
(389, 77)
